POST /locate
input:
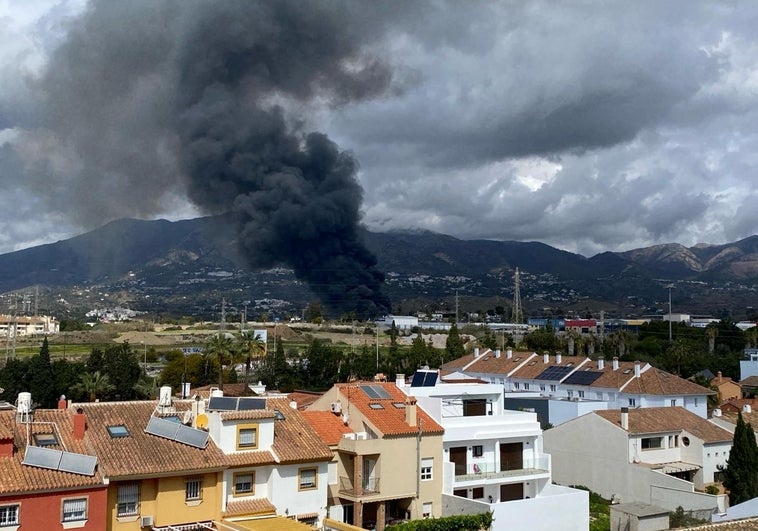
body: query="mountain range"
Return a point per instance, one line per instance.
(186, 267)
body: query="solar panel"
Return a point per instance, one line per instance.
(222, 403)
(42, 457)
(583, 378)
(162, 428)
(424, 379)
(192, 436)
(375, 391)
(78, 464)
(555, 372)
(248, 404)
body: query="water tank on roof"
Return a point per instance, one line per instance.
(747, 408)
(165, 396)
(24, 404)
(216, 392)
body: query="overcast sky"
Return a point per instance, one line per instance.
(589, 126)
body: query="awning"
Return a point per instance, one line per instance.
(274, 523)
(676, 466)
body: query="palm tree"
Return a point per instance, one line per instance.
(93, 384)
(253, 346)
(221, 346)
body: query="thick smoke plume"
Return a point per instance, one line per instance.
(199, 99)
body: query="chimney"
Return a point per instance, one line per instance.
(6, 447)
(718, 375)
(80, 424)
(625, 418)
(410, 411)
(615, 363)
(601, 363)
(476, 352)
(62, 403)
(497, 353)
(636, 369)
(293, 404)
(546, 358)
(558, 358)
(509, 353)
(400, 380)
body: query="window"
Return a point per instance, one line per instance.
(581, 394)
(307, 478)
(118, 431)
(247, 437)
(9, 515)
(426, 511)
(426, 468)
(673, 402)
(516, 385)
(193, 489)
(244, 483)
(552, 388)
(632, 402)
(45, 439)
(526, 386)
(570, 393)
(477, 493)
(652, 443)
(128, 499)
(542, 387)
(74, 510)
(695, 401)
(477, 450)
(686, 441)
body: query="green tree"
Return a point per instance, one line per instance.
(454, 348)
(741, 473)
(40, 378)
(252, 347)
(121, 366)
(93, 384)
(219, 346)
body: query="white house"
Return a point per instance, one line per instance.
(656, 456)
(493, 458)
(576, 378)
(277, 463)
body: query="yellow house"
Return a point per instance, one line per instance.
(159, 471)
(388, 465)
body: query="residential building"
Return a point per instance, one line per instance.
(388, 465)
(153, 478)
(401, 322)
(579, 379)
(749, 363)
(493, 458)
(28, 325)
(48, 478)
(660, 455)
(276, 463)
(726, 388)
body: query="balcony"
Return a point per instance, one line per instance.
(370, 486)
(491, 470)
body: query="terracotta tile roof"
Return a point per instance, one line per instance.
(18, 478)
(250, 458)
(611, 379)
(488, 363)
(294, 439)
(230, 389)
(654, 381)
(328, 426)
(249, 507)
(667, 419)
(750, 381)
(141, 454)
(736, 404)
(304, 398)
(251, 414)
(389, 420)
(536, 366)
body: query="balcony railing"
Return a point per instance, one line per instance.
(493, 470)
(369, 486)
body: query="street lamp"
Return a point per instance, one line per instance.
(144, 345)
(670, 287)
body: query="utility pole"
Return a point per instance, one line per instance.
(223, 314)
(670, 286)
(517, 315)
(456, 306)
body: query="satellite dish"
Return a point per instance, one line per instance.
(201, 421)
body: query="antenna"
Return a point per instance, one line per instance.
(517, 316)
(223, 314)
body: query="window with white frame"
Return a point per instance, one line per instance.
(581, 394)
(74, 510)
(9, 515)
(542, 387)
(632, 402)
(128, 499)
(553, 388)
(427, 463)
(307, 478)
(526, 386)
(516, 385)
(570, 393)
(193, 489)
(426, 510)
(477, 450)
(673, 402)
(244, 483)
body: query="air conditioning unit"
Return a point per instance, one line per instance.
(146, 521)
(336, 407)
